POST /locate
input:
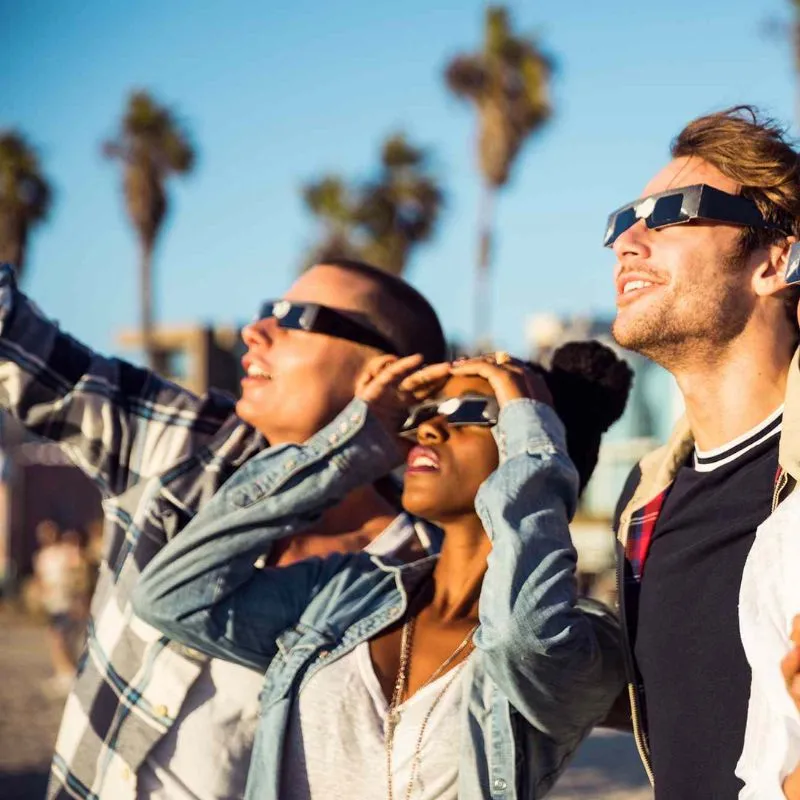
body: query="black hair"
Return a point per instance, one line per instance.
(399, 312)
(590, 387)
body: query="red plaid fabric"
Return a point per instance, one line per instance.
(640, 533)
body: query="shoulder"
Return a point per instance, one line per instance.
(628, 490)
(770, 593)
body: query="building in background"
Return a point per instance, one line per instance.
(654, 406)
(195, 356)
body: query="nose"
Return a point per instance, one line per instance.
(633, 243)
(257, 333)
(433, 431)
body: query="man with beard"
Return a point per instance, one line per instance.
(701, 259)
(148, 718)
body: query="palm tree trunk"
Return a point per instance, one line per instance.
(146, 305)
(482, 299)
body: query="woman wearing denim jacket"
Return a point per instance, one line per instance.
(472, 674)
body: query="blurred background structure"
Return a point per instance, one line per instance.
(474, 149)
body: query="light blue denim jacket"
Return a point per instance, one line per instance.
(545, 669)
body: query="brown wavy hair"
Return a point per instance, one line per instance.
(755, 151)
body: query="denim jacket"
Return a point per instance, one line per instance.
(546, 668)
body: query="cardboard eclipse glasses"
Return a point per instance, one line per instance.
(469, 409)
(316, 318)
(676, 206)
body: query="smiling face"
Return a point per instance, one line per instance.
(685, 285)
(449, 463)
(297, 381)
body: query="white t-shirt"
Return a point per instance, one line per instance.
(54, 565)
(768, 601)
(335, 745)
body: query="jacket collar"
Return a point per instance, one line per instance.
(658, 468)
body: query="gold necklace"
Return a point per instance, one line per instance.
(393, 716)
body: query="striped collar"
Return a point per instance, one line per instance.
(709, 460)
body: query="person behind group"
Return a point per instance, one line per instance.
(147, 718)
(54, 565)
(701, 259)
(474, 673)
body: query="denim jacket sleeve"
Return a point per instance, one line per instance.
(205, 588)
(558, 660)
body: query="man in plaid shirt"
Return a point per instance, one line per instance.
(148, 718)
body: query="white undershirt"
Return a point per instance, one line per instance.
(335, 745)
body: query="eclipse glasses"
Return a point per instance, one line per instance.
(469, 409)
(316, 318)
(676, 206)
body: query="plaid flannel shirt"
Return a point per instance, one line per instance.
(157, 453)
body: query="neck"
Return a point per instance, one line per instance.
(347, 527)
(733, 389)
(459, 572)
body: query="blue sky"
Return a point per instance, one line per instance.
(275, 93)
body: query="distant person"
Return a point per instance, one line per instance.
(53, 565)
(701, 290)
(474, 674)
(148, 718)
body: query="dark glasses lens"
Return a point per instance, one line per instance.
(619, 223)
(289, 315)
(418, 415)
(666, 211)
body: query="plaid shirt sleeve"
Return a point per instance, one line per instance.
(118, 423)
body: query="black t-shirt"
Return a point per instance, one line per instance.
(687, 645)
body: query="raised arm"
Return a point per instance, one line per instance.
(558, 661)
(117, 422)
(204, 588)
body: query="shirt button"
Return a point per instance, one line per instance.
(323, 653)
(126, 773)
(333, 438)
(499, 784)
(161, 711)
(291, 464)
(343, 427)
(354, 418)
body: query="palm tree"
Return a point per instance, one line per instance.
(508, 81)
(400, 209)
(381, 220)
(25, 197)
(330, 201)
(152, 146)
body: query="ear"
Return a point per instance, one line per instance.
(770, 275)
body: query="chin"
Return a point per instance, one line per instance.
(421, 504)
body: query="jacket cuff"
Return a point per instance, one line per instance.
(529, 426)
(355, 444)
